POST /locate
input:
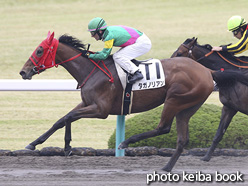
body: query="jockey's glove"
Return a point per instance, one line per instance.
(85, 53)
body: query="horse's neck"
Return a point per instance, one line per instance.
(79, 67)
(207, 61)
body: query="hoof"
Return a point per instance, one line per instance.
(167, 169)
(122, 146)
(206, 158)
(30, 147)
(68, 152)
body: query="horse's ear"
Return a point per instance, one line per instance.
(50, 37)
(48, 34)
(195, 40)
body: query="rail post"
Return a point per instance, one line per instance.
(120, 135)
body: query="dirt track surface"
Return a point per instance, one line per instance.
(111, 171)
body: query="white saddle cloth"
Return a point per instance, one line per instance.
(153, 75)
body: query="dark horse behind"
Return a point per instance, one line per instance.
(187, 85)
(234, 97)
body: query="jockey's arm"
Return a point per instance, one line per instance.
(102, 55)
(238, 47)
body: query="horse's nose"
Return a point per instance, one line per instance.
(22, 73)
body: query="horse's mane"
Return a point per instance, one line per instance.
(72, 41)
(207, 46)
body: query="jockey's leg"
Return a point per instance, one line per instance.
(123, 60)
(124, 56)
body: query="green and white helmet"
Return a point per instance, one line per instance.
(97, 24)
(235, 22)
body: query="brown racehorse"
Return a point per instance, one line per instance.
(187, 85)
(234, 97)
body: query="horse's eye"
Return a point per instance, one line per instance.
(39, 51)
(179, 54)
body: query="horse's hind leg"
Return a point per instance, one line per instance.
(163, 127)
(226, 117)
(182, 120)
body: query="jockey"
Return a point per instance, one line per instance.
(238, 26)
(133, 44)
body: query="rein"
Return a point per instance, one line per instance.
(231, 62)
(241, 61)
(211, 52)
(206, 55)
(74, 57)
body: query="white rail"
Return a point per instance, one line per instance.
(38, 85)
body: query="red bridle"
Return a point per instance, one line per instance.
(48, 47)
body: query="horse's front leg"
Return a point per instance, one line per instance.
(81, 111)
(226, 117)
(59, 124)
(91, 111)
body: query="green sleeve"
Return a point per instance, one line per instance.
(102, 55)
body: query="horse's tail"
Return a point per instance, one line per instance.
(228, 78)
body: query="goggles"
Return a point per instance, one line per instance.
(235, 32)
(93, 33)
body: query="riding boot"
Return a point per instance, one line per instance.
(136, 76)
